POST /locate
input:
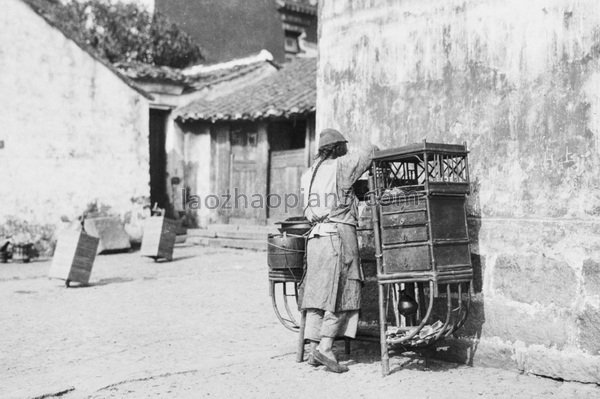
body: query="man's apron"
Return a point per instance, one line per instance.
(333, 277)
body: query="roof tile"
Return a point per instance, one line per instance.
(290, 91)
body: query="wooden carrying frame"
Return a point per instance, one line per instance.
(417, 196)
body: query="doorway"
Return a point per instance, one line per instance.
(158, 158)
(244, 181)
(287, 162)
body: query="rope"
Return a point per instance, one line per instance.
(312, 179)
(285, 249)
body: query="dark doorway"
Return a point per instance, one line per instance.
(158, 158)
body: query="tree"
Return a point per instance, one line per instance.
(122, 32)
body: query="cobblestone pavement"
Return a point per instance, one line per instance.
(200, 326)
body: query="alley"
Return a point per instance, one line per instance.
(200, 326)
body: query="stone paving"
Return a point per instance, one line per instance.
(200, 326)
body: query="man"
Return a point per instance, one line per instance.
(333, 279)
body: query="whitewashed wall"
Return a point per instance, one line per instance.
(73, 131)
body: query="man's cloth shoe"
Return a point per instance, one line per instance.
(331, 364)
(311, 360)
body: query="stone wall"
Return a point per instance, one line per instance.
(73, 131)
(519, 81)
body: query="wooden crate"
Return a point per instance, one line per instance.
(74, 257)
(159, 237)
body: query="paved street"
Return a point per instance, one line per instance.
(200, 326)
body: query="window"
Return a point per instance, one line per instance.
(291, 42)
(252, 139)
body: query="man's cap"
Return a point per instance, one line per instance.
(330, 136)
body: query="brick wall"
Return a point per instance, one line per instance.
(520, 82)
(73, 131)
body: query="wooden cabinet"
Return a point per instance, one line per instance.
(422, 221)
(74, 257)
(159, 237)
(421, 244)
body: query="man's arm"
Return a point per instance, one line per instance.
(354, 164)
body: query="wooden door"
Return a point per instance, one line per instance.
(244, 174)
(286, 168)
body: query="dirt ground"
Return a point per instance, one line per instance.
(199, 327)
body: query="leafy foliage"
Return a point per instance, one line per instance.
(122, 32)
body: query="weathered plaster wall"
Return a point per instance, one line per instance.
(520, 82)
(73, 131)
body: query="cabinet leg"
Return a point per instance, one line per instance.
(385, 358)
(67, 283)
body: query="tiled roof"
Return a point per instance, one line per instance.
(141, 71)
(301, 6)
(210, 78)
(43, 9)
(196, 78)
(288, 92)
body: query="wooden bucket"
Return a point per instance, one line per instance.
(285, 251)
(285, 257)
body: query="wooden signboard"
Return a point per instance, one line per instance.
(74, 257)
(159, 237)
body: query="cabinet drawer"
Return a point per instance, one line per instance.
(402, 235)
(404, 219)
(406, 259)
(407, 205)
